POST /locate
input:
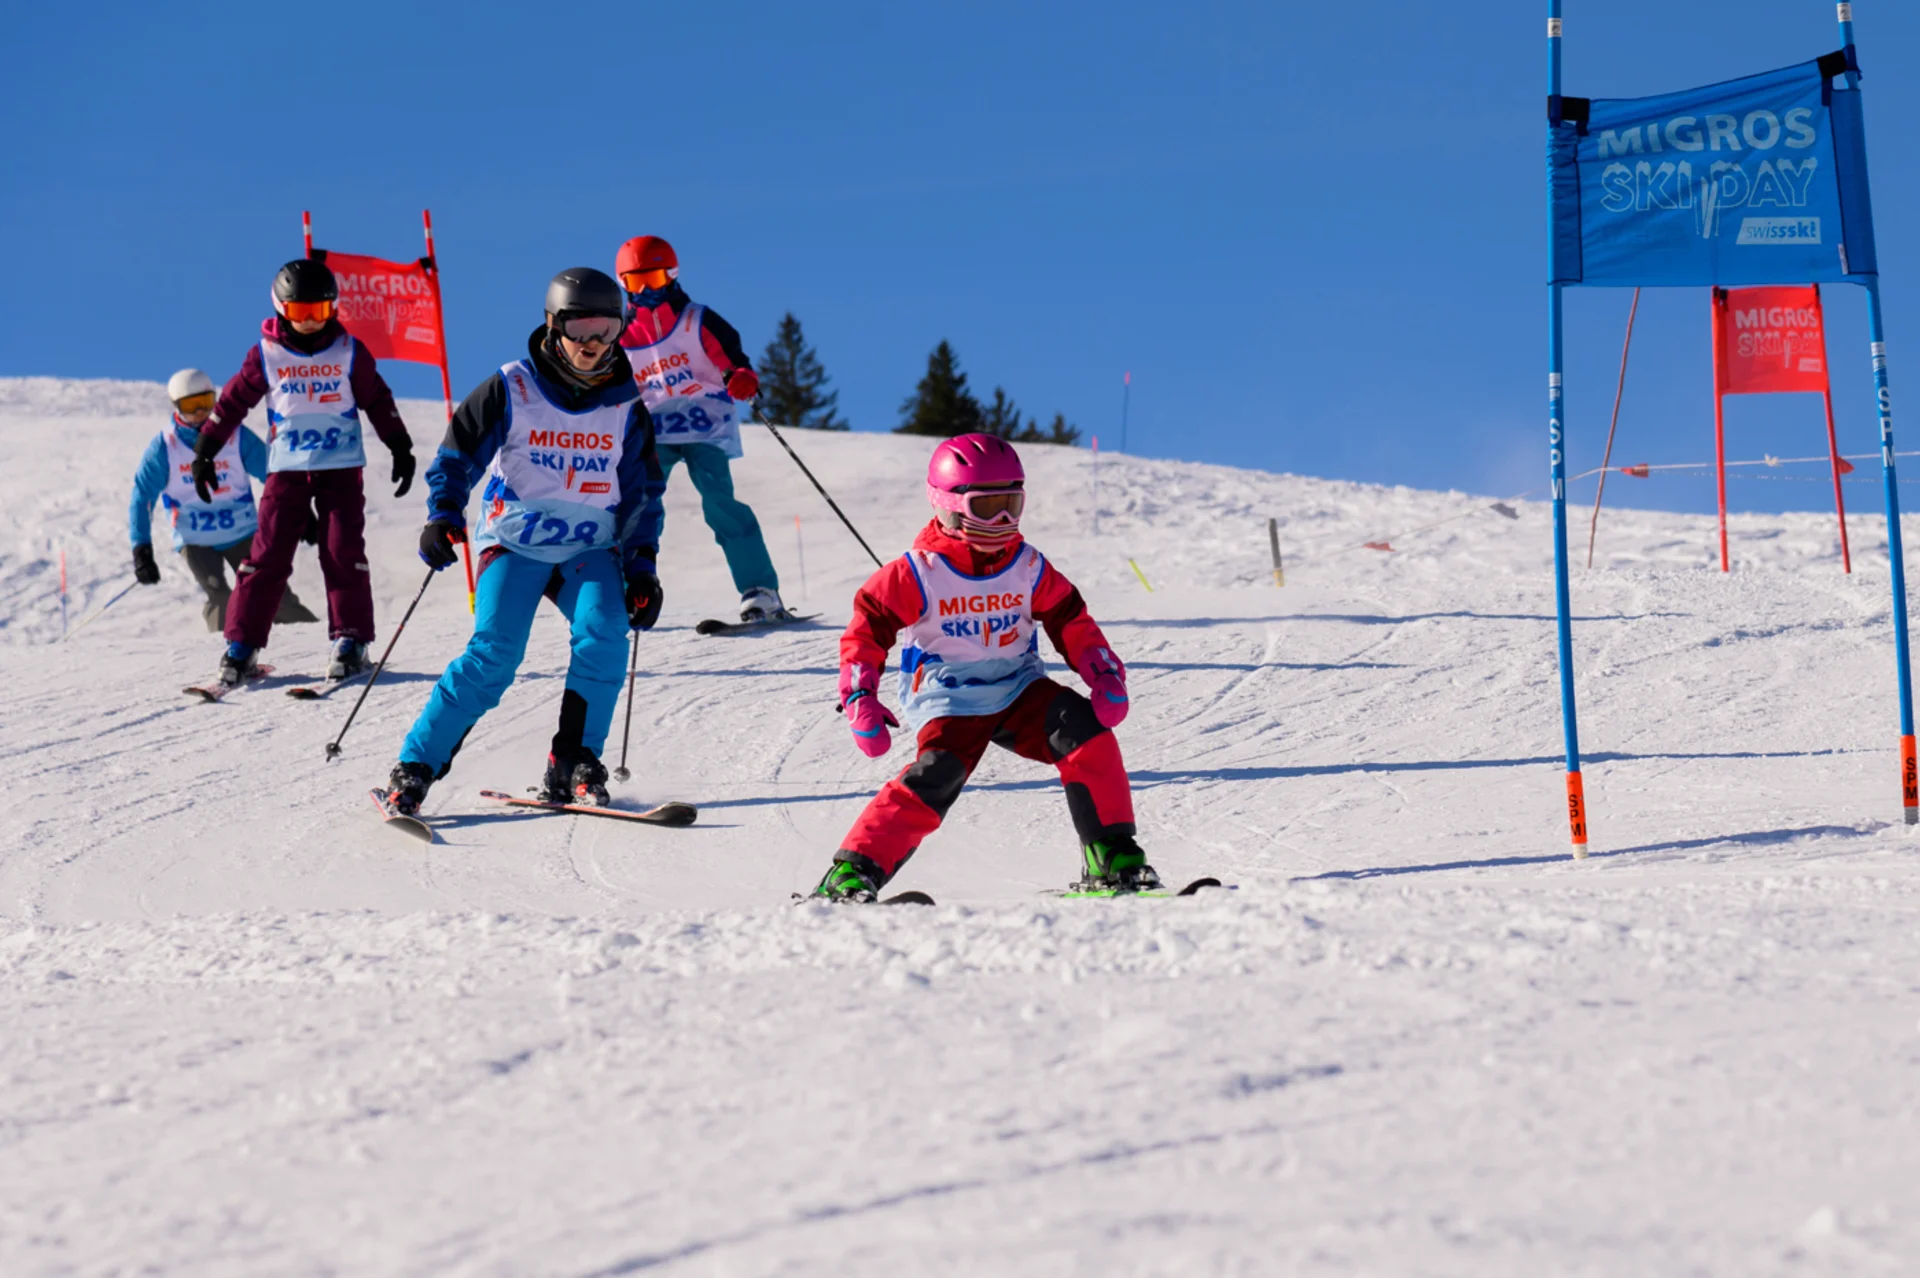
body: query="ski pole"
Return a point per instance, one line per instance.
(823, 492)
(633, 666)
(102, 608)
(333, 746)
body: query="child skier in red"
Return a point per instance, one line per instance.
(968, 600)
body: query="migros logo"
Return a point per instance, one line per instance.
(569, 439)
(647, 372)
(287, 372)
(980, 603)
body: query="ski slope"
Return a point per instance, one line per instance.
(251, 1031)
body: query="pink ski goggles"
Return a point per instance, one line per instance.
(986, 506)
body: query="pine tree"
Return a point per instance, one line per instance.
(941, 404)
(793, 383)
(1059, 433)
(1002, 416)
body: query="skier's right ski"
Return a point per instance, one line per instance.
(898, 898)
(214, 691)
(1077, 892)
(672, 813)
(399, 820)
(319, 691)
(713, 626)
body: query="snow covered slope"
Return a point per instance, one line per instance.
(252, 1031)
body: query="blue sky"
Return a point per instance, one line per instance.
(1314, 233)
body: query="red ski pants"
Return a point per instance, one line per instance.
(1047, 723)
(287, 500)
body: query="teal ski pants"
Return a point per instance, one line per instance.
(592, 597)
(731, 519)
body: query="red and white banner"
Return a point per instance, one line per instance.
(390, 306)
(1766, 341)
(1770, 340)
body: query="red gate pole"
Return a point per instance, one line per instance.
(1833, 446)
(446, 377)
(1719, 418)
(306, 230)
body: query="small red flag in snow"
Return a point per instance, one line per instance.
(1377, 545)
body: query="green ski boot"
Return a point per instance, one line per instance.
(854, 878)
(1116, 864)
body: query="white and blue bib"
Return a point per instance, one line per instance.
(220, 522)
(553, 487)
(975, 647)
(684, 389)
(312, 421)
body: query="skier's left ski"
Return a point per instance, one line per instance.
(672, 814)
(712, 626)
(318, 691)
(400, 821)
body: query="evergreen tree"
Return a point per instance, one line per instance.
(1059, 433)
(1002, 416)
(793, 384)
(941, 404)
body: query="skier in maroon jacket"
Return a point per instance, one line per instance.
(316, 379)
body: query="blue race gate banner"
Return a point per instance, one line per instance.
(1761, 180)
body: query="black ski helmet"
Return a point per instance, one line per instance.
(581, 290)
(304, 279)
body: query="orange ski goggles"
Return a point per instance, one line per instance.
(641, 281)
(200, 403)
(302, 312)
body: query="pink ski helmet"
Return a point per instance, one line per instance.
(975, 482)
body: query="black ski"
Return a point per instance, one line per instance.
(215, 691)
(712, 626)
(898, 898)
(1078, 891)
(411, 825)
(320, 691)
(670, 814)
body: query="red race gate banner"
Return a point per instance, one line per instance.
(389, 305)
(1769, 340)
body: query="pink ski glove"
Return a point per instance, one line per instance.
(865, 715)
(1106, 685)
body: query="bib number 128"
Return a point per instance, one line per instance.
(547, 530)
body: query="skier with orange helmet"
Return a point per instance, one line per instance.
(698, 383)
(968, 603)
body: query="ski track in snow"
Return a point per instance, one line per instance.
(252, 1031)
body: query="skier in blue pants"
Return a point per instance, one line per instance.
(570, 511)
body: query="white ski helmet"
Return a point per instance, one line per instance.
(188, 381)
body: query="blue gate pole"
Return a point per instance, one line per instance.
(1557, 463)
(1896, 555)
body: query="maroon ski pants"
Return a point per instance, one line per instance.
(1047, 723)
(288, 500)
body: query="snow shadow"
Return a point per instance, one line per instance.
(1281, 773)
(1370, 619)
(1751, 838)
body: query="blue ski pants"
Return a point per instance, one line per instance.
(731, 519)
(591, 595)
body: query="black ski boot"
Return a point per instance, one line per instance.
(1116, 864)
(238, 664)
(852, 878)
(407, 787)
(578, 778)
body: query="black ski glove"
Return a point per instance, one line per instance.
(145, 571)
(437, 541)
(643, 595)
(403, 467)
(206, 478)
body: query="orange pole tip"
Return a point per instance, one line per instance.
(1909, 781)
(1577, 814)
